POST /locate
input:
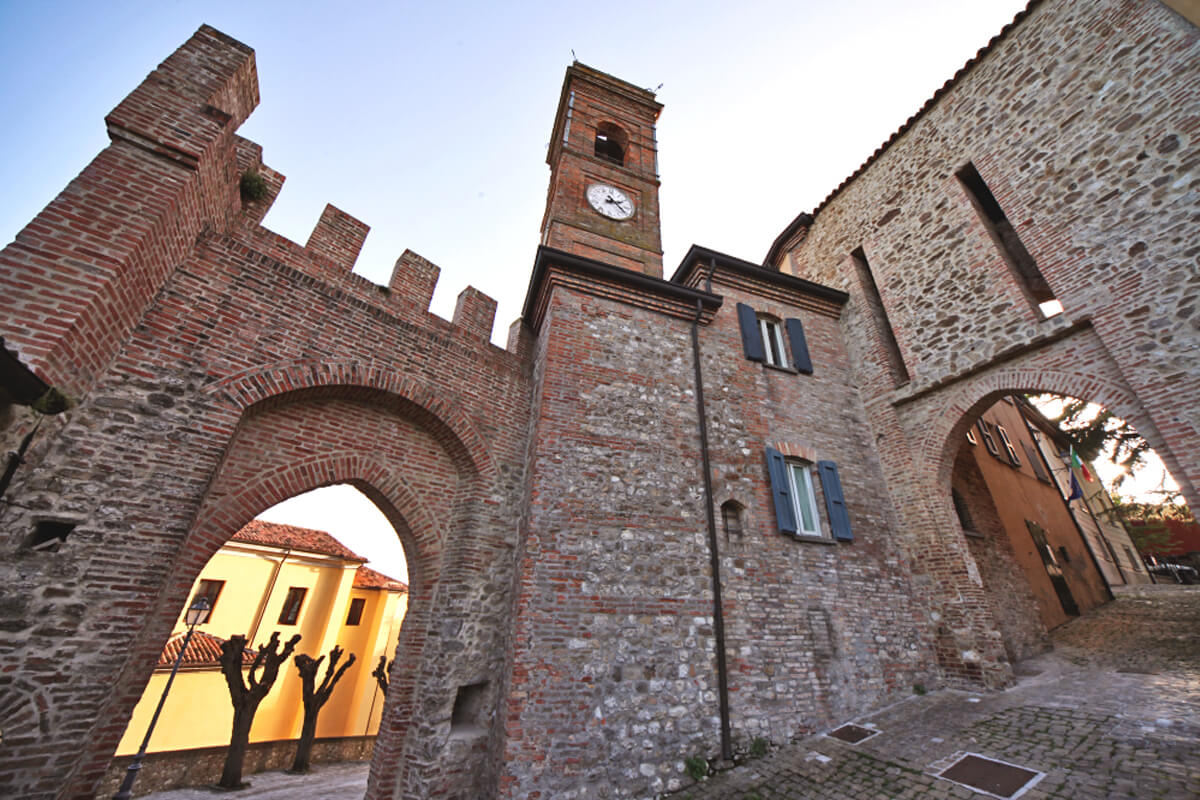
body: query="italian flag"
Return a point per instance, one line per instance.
(1078, 464)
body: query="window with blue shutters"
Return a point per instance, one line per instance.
(795, 499)
(763, 340)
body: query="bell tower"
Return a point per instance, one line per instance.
(603, 197)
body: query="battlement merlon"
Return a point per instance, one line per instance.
(78, 277)
(337, 238)
(195, 99)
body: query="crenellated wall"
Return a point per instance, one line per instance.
(216, 368)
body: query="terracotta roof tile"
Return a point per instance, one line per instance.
(278, 535)
(204, 650)
(366, 578)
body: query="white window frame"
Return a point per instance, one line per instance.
(804, 499)
(1013, 458)
(774, 354)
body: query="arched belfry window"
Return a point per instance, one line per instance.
(611, 142)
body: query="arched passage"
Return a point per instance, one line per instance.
(1002, 476)
(406, 459)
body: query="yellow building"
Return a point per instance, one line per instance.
(268, 578)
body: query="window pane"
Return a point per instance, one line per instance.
(802, 483)
(291, 605)
(772, 341)
(356, 611)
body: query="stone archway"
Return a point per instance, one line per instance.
(943, 418)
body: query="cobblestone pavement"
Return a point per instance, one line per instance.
(1112, 712)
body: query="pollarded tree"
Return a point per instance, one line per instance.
(381, 674)
(247, 692)
(315, 697)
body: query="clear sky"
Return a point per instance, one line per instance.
(429, 121)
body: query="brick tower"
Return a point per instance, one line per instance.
(603, 197)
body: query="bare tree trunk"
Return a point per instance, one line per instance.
(314, 698)
(246, 692)
(235, 757)
(308, 733)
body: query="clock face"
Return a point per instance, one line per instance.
(610, 201)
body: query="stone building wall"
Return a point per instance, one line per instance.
(817, 631)
(1081, 119)
(613, 641)
(550, 497)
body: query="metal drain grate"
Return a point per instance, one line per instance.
(996, 778)
(853, 734)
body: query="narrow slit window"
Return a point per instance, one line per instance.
(964, 514)
(731, 519)
(1033, 284)
(882, 324)
(356, 611)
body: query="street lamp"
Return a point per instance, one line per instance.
(197, 614)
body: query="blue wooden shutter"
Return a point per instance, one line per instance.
(835, 503)
(752, 342)
(784, 515)
(800, 359)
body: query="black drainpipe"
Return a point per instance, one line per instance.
(713, 556)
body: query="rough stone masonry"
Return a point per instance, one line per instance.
(780, 436)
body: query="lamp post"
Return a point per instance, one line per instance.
(197, 614)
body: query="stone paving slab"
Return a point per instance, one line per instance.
(1112, 712)
(326, 781)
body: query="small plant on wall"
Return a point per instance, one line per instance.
(253, 186)
(696, 767)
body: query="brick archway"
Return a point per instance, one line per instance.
(958, 410)
(290, 443)
(263, 384)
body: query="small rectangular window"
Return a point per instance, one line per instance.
(1011, 451)
(291, 605)
(988, 442)
(356, 611)
(210, 591)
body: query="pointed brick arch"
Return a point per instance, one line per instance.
(421, 534)
(267, 383)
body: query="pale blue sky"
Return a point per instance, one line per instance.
(429, 121)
